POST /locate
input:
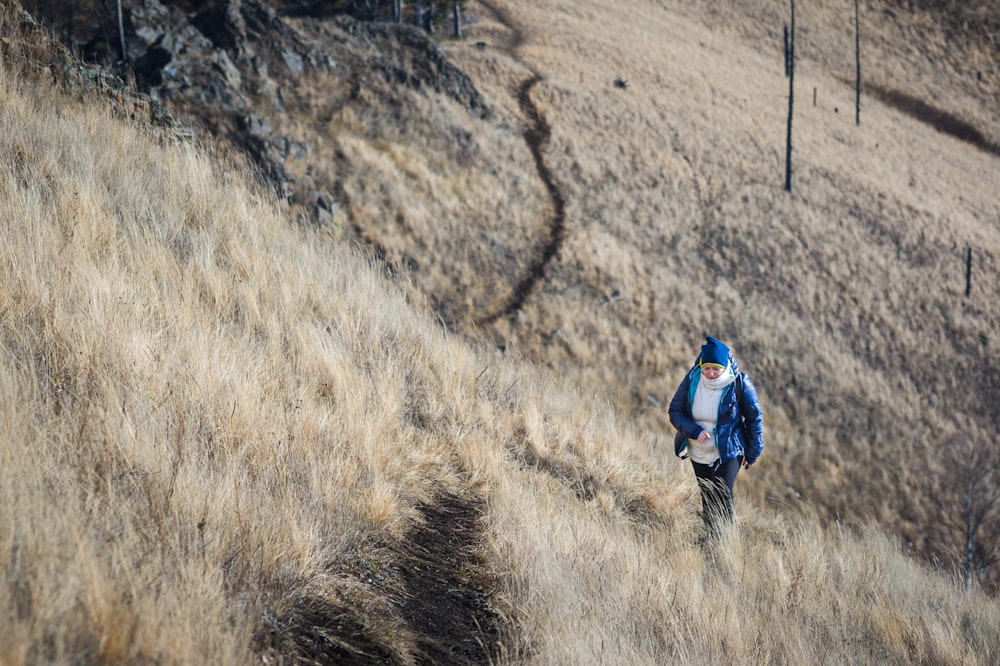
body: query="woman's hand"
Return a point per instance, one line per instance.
(704, 436)
(749, 465)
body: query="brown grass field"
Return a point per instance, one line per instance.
(227, 437)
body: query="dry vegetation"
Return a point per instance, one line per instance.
(844, 300)
(220, 430)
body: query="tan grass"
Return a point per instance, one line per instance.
(845, 300)
(211, 413)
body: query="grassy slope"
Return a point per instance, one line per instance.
(214, 420)
(844, 299)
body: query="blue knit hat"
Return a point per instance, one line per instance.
(714, 352)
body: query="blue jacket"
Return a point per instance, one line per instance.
(739, 430)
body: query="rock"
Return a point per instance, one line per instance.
(223, 24)
(39, 52)
(238, 69)
(294, 62)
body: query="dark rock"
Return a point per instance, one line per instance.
(412, 58)
(237, 69)
(149, 66)
(223, 24)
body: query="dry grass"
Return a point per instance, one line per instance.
(212, 416)
(844, 300)
(189, 420)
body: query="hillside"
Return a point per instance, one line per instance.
(530, 202)
(845, 300)
(229, 435)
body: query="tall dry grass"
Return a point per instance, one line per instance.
(213, 416)
(197, 413)
(845, 300)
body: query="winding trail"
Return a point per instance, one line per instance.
(537, 136)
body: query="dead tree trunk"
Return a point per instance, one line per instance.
(71, 27)
(418, 14)
(121, 32)
(791, 101)
(457, 12)
(857, 62)
(968, 273)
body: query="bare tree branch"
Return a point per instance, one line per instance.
(965, 493)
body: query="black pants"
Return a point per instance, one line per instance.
(716, 482)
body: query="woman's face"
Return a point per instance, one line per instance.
(711, 371)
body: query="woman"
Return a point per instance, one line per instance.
(719, 422)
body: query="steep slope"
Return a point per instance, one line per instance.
(542, 206)
(227, 437)
(845, 299)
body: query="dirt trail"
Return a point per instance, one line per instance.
(446, 600)
(537, 136)
(440, 592)
(448, 603)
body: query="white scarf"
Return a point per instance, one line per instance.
(722, 381)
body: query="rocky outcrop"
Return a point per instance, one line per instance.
(30, 46)
(240, 71)
(406, 55)
(230, 68)
(215, 67)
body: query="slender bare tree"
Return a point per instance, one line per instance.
(966, 495)
(121, 32)
(790, 70)
(420, 10)
(857, 62)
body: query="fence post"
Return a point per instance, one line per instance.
(968, 273)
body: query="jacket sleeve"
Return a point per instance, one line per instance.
(753, 421)
(679, 411)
